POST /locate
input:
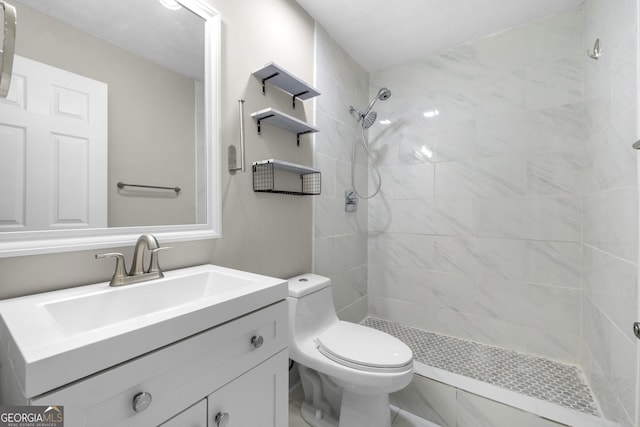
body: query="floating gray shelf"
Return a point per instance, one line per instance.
(286, 81)
(264, 174)
(282, 120)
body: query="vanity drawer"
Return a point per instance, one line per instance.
(175, 376)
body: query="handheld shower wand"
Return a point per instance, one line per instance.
(366, 119)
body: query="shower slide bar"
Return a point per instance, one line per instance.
(8, 47)
(122, 185)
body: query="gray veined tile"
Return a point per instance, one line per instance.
(610, 224)
(500, 175)
(500, 259)
(553, 263)
(555, 173)
(456, 142)
(554, 218)
(554, 83)
(610, 162)
(455, 179)
(501, 217)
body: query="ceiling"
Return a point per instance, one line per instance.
(173, 39)
(382, 33)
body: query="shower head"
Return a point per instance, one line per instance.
(368, 117)
(382, 95)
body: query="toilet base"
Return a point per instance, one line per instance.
(360, 410)
(357, 411)
(328, 404)
(315, 417)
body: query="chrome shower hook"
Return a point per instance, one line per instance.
(597, 53)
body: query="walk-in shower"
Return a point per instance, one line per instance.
(364, 120)
(517, 229)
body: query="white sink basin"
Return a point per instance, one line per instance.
(109, 306)
(56, 337)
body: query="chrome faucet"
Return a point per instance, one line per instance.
(137, 273)
(138, 253)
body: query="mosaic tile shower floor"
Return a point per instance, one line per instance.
(523, 373)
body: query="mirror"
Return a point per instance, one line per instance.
(110, 128)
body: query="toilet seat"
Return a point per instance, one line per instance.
(364, 348)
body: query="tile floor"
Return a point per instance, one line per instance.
(530, 375)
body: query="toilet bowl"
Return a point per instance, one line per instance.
(347, 370)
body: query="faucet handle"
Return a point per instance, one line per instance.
(154, 266)
(121, 272)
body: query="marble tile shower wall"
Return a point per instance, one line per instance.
(610, 208)
(478, 231)
(340, 242)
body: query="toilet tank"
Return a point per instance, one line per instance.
(311, 308)
(305, 284)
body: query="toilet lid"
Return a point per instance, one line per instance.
(349, 343)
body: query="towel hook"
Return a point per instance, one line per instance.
(597, 53)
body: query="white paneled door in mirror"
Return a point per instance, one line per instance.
(55, 124)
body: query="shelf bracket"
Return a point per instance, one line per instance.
(293, 98)
(260, 121)
(264, 89)
(301, 133)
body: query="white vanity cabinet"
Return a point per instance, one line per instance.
(239, 368)
(195, 416)
(250, 400)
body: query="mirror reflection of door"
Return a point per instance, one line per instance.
(53, 150)
(152, 60)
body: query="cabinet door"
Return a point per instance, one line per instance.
(196, 416)
(257, 398)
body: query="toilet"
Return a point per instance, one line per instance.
(347, 370)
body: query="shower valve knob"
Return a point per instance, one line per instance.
(636, 329)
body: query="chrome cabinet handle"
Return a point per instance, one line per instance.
(141, 401)
(8, 47)
(222, 419)
(257, 341)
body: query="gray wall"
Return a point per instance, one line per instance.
(262, 233)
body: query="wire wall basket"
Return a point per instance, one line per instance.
(276, 176)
